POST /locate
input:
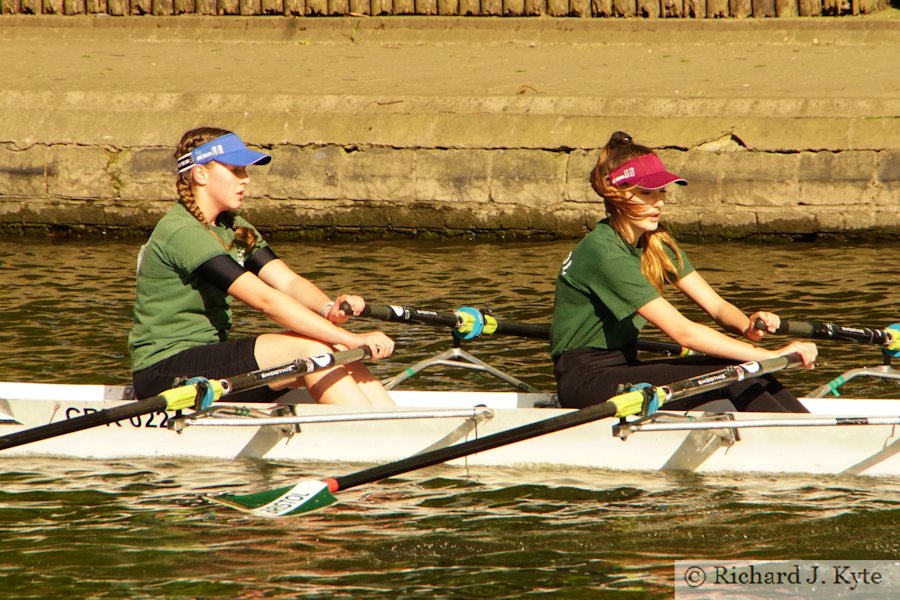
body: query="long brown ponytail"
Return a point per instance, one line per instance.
(243, 236)
(656, 265)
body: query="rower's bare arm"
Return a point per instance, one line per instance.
(282, 277)
(726, 314)
(288, 312)
(707, 340)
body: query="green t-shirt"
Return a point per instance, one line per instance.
(174, 309)
(599, 289)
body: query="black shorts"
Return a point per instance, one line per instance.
(213, 361)
(586, 376)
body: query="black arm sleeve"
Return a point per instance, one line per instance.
(259, 259)
(221, 270)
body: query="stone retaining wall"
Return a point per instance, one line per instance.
(317, 191)
(556, 8)
(367, 163)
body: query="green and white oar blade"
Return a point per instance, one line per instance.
(305, 497)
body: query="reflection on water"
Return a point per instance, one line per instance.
(141, 528)
(67, 305)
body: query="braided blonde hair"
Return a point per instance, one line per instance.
(656, 265)
(244, 237)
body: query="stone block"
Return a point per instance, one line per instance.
(786, 220)
(888, 166)
(491, 8)
(303, 173)
(528, 178)
(62, 212)
(732, 223)
(842, 178)
(876, 133)
(378, 174)
(887, 220)
(452, 175)
(888, 179)
(22, 172)
(11, 209)
(682, 218)
(143, 215)
(79, 172)
(414, 217)
(578, 176)
(758, 178)
(144, 174)
(830, 219)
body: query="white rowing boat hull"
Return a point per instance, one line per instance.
(352, 435)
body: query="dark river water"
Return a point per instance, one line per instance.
(141, 529)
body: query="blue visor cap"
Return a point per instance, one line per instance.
(227, 149)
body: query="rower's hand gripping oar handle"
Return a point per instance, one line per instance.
(888, 338)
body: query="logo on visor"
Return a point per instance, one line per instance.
(212, 151)
(626, 174)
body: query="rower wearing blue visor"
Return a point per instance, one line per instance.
(200, 256)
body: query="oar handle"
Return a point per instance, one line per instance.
(824, 330)
(406, 314)
(292, 370)
(495, 326)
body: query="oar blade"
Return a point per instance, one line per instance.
(305, 497)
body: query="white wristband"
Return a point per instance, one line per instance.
(326, 309)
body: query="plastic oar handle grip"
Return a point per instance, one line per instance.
(376, 312)
(540, 332)
(406, 314)
(798, 328)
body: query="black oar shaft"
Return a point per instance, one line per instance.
(95, 419)
(824, 330)
(731, 374)
(674, 391)
(441, 455)
(409, 314)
